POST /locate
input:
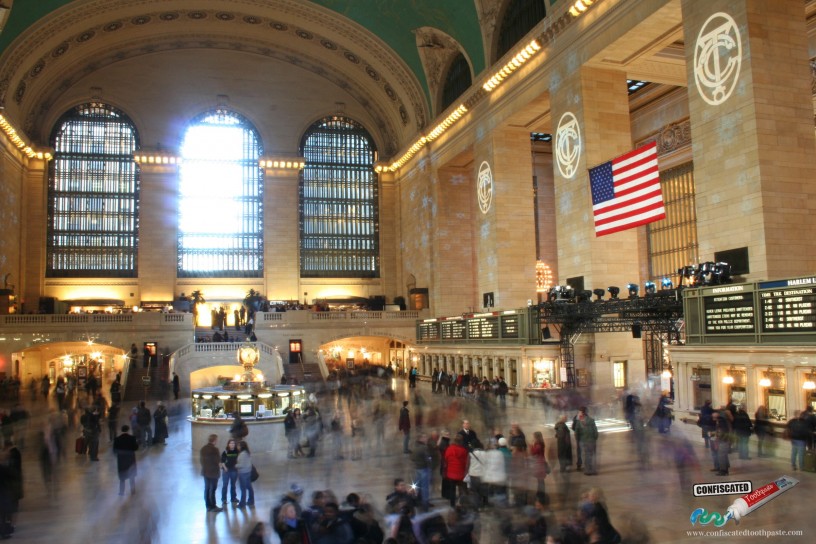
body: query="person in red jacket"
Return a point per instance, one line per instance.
(456, 467)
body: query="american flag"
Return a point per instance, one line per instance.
(626, 191)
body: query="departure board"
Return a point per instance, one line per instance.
(428, 331)
(483, 327)
(788, 310)
(510, 326)
(453, 330)
(729, 313)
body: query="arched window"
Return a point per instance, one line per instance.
(339, 202)
(221, 199)
(457, 81)
(520, 17)
(93, 195)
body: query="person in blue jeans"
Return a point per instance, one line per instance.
(229, 474)
(244, 467)
(799, 432)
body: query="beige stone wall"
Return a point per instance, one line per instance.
(754, 152)
(281, 246)
(12, 182)
(415, 239)
(158, 233)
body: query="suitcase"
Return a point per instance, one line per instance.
(809, 463)
(81, 447)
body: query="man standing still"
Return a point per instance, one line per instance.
(210, 459)
(125, 446)
(405, 426)
(176, 386)
(586, 433)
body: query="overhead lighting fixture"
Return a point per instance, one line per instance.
(613, 291)
(666, 283)
(650, 288)
(579, 7)
(512, 65)
(633, 288)
(599, 293)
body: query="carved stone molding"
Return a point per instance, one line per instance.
(436, 51)
(488, 12)
(670, 138)
(813, 76)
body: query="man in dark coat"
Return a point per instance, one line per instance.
(469, 438)
(125, 446)
(405, 426)
(176, 386)
(210, 459)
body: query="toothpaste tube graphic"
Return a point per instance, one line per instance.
(745, 504)
(759, 498)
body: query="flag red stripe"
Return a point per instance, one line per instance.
(631, 213)
(620, 179)
(628, 226)
(655, 185)
(616, 205)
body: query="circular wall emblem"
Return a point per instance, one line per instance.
(717, 58)
(568, 145)
(484, 187)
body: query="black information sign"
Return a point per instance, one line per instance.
(453, 330)
(428, 331)
(484, 327)
(729, 313)
(510, 326)
(788, 310)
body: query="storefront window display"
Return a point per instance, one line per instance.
(774, 385)
(543, 374)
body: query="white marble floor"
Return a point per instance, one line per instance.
(645, 504)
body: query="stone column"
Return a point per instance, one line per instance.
(504, 218)
(590, 112)
(751, 110)
(158, 231)
(281, 235)
(30, 187)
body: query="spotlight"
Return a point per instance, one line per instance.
(650, 287)
(584, 296)
(666, 283)
(613, 291)
(633, 290)
(599, 293)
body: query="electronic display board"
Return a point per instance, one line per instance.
(510, 326)
(788, 305)
(729, 311)
(453, 330)
(483, 327)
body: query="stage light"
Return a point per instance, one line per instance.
(584, 296)
(650, 288)
(666, 283)
(633, 290)
(613, 291)
(599, 293)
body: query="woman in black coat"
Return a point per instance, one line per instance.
(160, 432)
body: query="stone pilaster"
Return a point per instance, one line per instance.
(751, 114)
(281, 235)
(158, 232)
(504, 233)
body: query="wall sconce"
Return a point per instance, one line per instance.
(728, 379)
(666, 374)
(695, 376)
(765, 381)
(809, 384)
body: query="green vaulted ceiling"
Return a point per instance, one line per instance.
(393, 21)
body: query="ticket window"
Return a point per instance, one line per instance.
(811, 399)
(775, 401)
(701, 378)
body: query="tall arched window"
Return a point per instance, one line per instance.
(520, 17)
(221, 199)
(339, 202)
(457, 81)
(93, 195)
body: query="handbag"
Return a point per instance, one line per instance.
(254, 474)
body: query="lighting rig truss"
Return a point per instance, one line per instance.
(661, 313)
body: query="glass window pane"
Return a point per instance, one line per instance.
(221, 196)
(93, 195)
(339, 202)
